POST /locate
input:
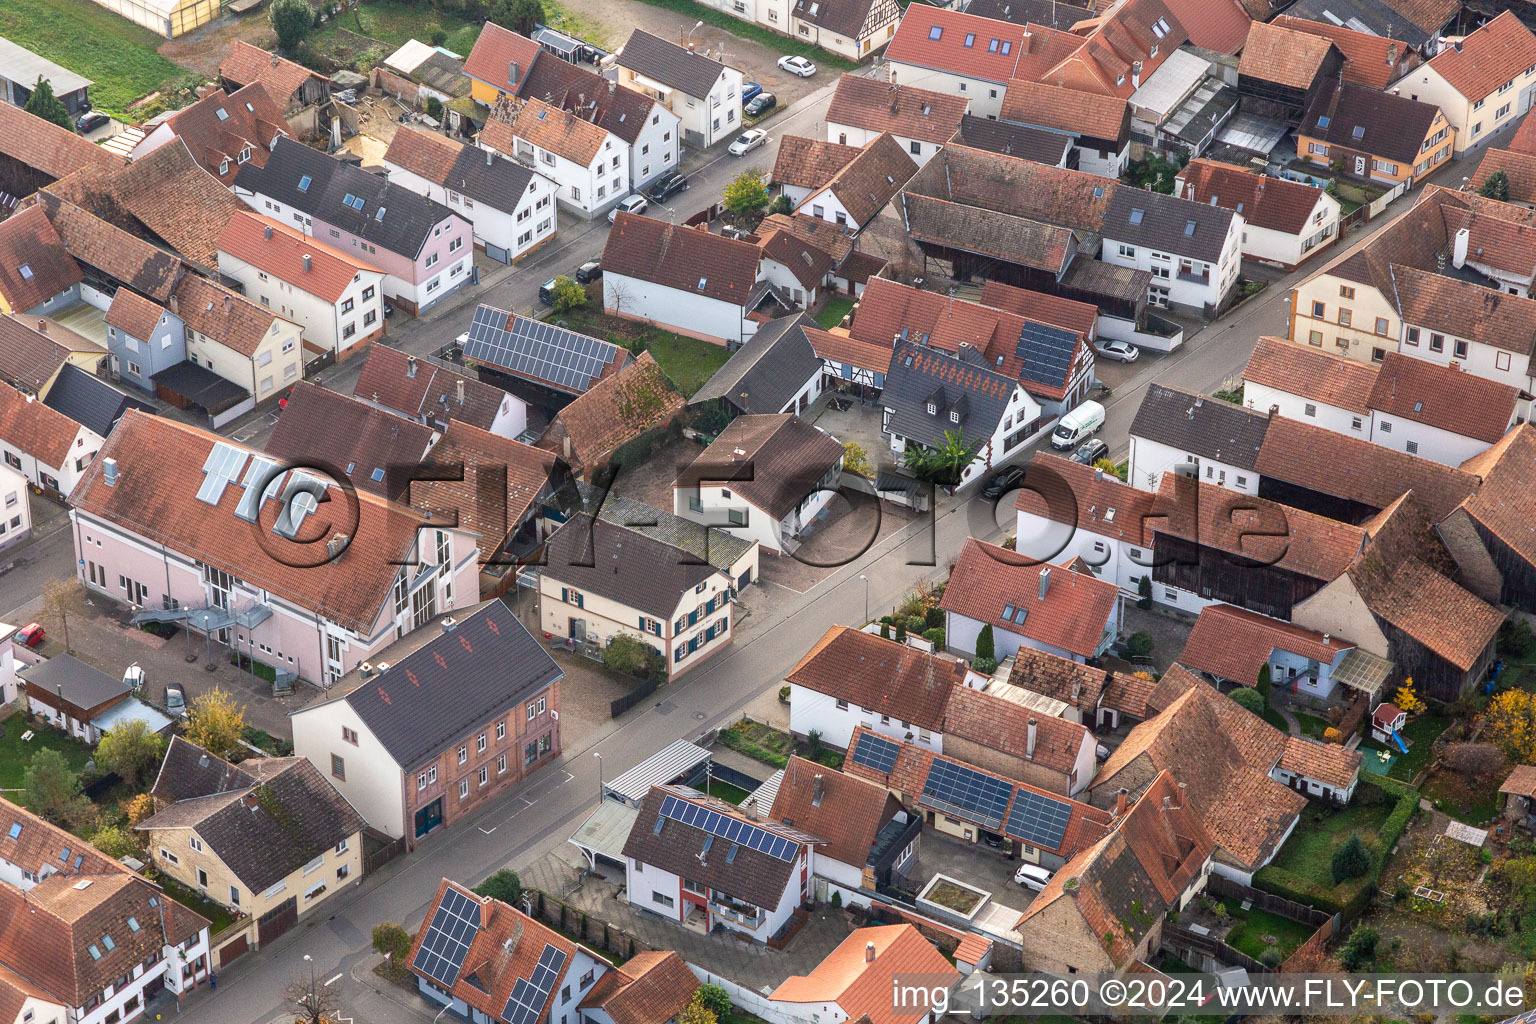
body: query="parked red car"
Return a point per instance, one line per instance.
(30, 635)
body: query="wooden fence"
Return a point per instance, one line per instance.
(379, 849)
(1222, 887)
(1196, 949)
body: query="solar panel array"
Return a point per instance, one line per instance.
(961, 789)
(1047, 353)
(731, 829)
(875, 752)
(222, 466)
(529, 995)
(565, 359)
(1038, 819)
(454, 927)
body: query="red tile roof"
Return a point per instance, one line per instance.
(613, 411)
(1136, 32)
(1505, 504)
(1072, 615)
(548, 127)
(902, 110)
(653, 987)
(1524, 139)
(1068, 110)
(46, 147)
(1368, 59)
(840, 348)
(1068, 314)
(232, 320)
(1487, 58)
(219, 128)
(1235, 644)
(867, 182)
(506, 946)
(809, 163)
(883, 676)
(1075, 684)
(485, 457)
(1274, 203)
(1220, 25)
(1439, 303)
(419, 387)
(244, 64)
(1063, 491)
(28, 240)
(495, 49)
(1328, 763)
(1439, 396)
(133, 314)
(861, 987)
(914, 43)
(1256, 528)
(1299, 369)
(32, 427)
(1518, 167)
(999, 724)
(848, 812)
(1284, 56)
(688, 259)
(274, 247)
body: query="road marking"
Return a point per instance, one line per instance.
(488, 831)
(331, 981)
(568, 778)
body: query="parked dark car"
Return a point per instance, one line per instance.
(749, 90)
(1003, 480)
(667, 186)
(761, 104)
(547, 292)
(91, 120)
(1091, 451)
(589, 271)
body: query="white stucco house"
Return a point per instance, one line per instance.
(1193, 250)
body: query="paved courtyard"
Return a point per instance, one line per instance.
(752, 965)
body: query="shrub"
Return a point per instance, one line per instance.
(781, 204)
(1140, 644)
(1332, 735)
(434, 108)
(1350, 860)
(1144, 593)
(885, 630)
(291, 20)
(837, 899)
(934, 616)
(632, 656)
(1270, 957)
(714, 998)
(935, 636)
(917, 623)
(439, 37)
(986, 666)
(901, 631)
(394, 942)
(784, 694)
(1516, 639)
(813, 742)
(504, 885)
(568, 295)
(985, 645)
(1359, 948)
(118, 842)
(1250, 699)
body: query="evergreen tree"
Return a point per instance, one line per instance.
(44, 104)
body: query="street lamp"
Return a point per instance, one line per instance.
(600, 791)
(696, 26)
(314, 996)
(866, 598)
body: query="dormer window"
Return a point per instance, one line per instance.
(933, 409)
(245, 154)
(954, 417)
(223, 167)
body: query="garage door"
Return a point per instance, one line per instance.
(275, 922)
(231, 951)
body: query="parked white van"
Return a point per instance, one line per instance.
(1077, 425)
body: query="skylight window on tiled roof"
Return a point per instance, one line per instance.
(970, 40)
(1189, 228)
(1359, 132)
(1137, 215)
(26, 271)
(106, 940)
(1007, 612)
(936, 32)
(95, 953)
(1007, 47)
(304, 183)
(1324, 121)
(133, 924)
(992, 46)
(64, 857)
(16, 830)
(223, 114)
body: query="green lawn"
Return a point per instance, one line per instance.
(725, 791)
(688, 361)
(1311, 725)
(1420, 734)
(1277, 720)
(833, 312)
(825, 60)
(1248, 935)
(117, 55)
(219, 917)
(395, 23)
(16, 755)
(1309, 851)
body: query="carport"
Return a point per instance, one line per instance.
(604, 832)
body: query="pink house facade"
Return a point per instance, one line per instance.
(170, 520)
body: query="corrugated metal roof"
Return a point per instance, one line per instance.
(662, 767)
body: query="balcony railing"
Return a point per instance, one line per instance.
(1202, 277)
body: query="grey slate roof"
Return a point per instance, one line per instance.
(969, 386)
(90, 400)
(666, 62)
(771, 368)
(265, 831)
(720, 549)
(1011, 139)
(1373, 16)
(407, 221)
(498, 182)
(1165, 223)
(626, 566)
(1204, 426)
(188, 771)
(490, 663)
(1060, 16)
(82, 685)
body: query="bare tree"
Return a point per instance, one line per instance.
(312, 1002)
(61, 597)
(616, 293)
(1476, 763)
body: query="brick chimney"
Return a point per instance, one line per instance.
(1030, 737)
(1122, 802)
